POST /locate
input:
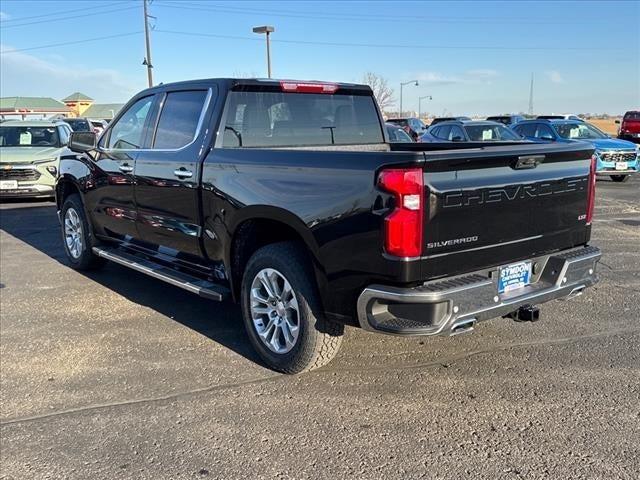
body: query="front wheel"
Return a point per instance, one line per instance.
(619, 178)
(76, 235)
(282, 313)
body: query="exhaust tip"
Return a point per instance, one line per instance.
(462, 326)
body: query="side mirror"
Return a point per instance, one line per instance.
(457, 139)
(82, 142)
(617, 122)
(549, 138)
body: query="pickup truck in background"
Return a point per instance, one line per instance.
(630, 126)
(287, 197)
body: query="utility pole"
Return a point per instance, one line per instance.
(147, 41)
(531, 96)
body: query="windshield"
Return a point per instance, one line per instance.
(578, 130)
(29, 136)
(490, 133)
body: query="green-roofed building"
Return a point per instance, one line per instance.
(103, 111)
(77, 97)
(14, 107)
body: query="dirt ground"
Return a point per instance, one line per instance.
(606, 125)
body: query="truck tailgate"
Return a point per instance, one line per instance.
(494, 206)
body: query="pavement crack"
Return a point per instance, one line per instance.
(173, 396)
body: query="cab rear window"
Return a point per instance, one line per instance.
(277, 119)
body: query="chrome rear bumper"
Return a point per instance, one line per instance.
(443, 306)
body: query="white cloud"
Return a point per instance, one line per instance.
(554, 76)
(470, 76)
(29, 76)
(4, 16)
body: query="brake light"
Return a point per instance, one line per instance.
(403, 226)
(591, 190)
(303, 87)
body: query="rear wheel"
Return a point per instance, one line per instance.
(282, 313)
(619, 178)
(76, 235)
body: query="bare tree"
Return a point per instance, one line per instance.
(381, 89)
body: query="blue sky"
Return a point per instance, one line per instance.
(472, 57)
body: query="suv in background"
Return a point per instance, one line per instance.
(630, 126)
(413, 126)
(616, 158)
(30, 154)
(470, 131)
(508, 120)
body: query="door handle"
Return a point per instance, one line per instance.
(182, 173)
(126, 168)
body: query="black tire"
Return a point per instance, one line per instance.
(619, 178)
(318, 339)
(84, 259)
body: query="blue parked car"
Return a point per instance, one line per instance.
(616, 158)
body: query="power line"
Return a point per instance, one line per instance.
(379, 45)
(358, 17)
(95, 39)
(63, 12)
(51, 20)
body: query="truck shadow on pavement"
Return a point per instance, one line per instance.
(38, 226)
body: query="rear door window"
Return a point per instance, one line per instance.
(276, 119)
(179, 119)
(456, 131)
(443, 132)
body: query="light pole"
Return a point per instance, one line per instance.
(420, 104)
(402, 85)
(266, 29)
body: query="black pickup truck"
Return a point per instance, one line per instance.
(287, 197)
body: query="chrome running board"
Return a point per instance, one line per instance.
(183, 280)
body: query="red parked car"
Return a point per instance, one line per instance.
(630, 126)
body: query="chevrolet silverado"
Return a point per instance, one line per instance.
(287, 197)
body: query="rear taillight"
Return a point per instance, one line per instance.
(403, 226)
(591, 190)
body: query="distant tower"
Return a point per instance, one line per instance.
(531, 96)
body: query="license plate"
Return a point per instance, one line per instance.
(514, 276)
(621, 165)
(8, 184)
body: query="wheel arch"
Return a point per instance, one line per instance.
(257, 226)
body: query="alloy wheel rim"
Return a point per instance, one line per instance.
(73, 233)
(274, 311)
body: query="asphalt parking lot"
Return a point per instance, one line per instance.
(116, 375)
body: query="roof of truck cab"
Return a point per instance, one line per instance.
(255, 82)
